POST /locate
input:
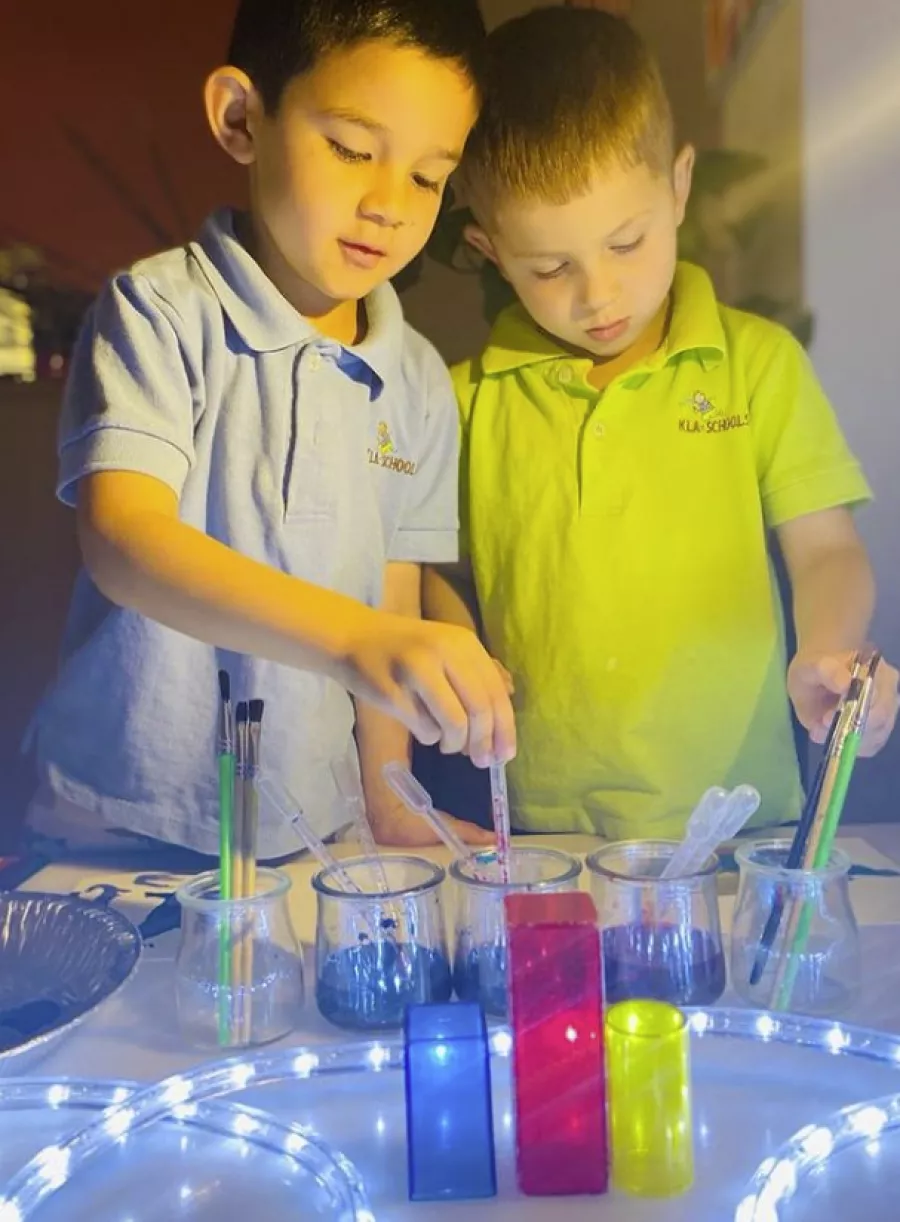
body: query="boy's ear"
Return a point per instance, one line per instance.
(479, 240)
(682, 175)
(232, 108)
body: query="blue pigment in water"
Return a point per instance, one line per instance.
(664, 963)
(368, 987)
(479, 974)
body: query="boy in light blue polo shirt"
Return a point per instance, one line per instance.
(261, 452)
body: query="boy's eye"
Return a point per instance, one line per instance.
(345, 154)
(427, 184)
(552, 274)
(628, 248)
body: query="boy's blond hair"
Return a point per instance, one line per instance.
(569, 90)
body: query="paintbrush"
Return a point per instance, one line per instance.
(225, 753)
(250, 855)
(238, 862)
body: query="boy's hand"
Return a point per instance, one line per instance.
(399, 826)
(437, 679)
(817, 681)
(507, 678)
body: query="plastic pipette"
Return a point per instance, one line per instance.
(417, 798)
(500, 812)
(275, 793)
(345, 781)
(718, 816)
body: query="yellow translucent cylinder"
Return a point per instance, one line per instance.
(648, 1083)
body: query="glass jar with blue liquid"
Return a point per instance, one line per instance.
(661, 938)
(480, 951)
(379, 951)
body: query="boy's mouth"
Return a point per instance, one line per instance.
(612, 331)
(360, 255)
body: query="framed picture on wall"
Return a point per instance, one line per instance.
(729, 26)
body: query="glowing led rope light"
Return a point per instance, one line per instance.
(778, 1178)
(181, 1094)
(54, 1164)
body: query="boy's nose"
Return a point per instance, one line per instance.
(599, 291)
(383, 203)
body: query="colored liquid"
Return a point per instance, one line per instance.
(479, 974)
(663, 963)
(368, 987)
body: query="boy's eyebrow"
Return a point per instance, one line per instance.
(379, 129)
(555, 254)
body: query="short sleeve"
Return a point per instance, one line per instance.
(428, 531)
(464, 389)
(804, 464)
(129, 404)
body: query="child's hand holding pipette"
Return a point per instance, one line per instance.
(437, 679)
(817, 682)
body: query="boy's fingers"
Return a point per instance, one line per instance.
(491, 724)
(506, 677)
(882, 719)
(471, 833)
(444, 709)
(830, 673)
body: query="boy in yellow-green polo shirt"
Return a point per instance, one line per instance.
(630, 447)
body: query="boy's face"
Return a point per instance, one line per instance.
(347, 176)
(595, 271)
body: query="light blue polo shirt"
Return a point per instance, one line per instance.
(322, 460)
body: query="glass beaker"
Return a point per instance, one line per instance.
(480, 950)
(661, 939)
(239, 967)
(378, 952)
(794, 933)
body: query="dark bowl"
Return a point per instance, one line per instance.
(60, 959)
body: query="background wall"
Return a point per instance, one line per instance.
(851, 256)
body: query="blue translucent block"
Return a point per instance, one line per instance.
(449, 1123)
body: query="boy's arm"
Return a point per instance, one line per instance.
(435, 678)
(833, 593)
(448, 594)
(809, 482)
(381, 738)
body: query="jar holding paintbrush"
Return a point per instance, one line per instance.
(795, 943)
(823, 969)
(257, 996)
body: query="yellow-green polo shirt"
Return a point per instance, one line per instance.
(619, 546)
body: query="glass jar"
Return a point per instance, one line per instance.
(480, 950)
(239, 967)
(795, 942)
(661, 939)
(378, 952)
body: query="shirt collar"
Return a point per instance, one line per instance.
(695, 326)
(267, 322)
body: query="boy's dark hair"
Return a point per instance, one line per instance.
(567, 90)
(274, 41)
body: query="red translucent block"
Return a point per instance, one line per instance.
(555, 986)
